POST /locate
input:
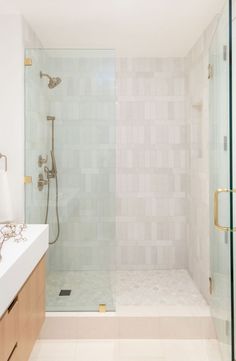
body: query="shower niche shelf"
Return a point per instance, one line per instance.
(197, 106)
(196, 128)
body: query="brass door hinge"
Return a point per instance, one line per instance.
(210, 71)
(102, 307)
(27, 179)
(28, 62)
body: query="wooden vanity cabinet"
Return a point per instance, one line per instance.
(21, 323)
(9, 331)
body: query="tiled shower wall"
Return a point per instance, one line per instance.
(151, 164)
(162, 215)
(84, 107)
(161, 157)
(152, 153)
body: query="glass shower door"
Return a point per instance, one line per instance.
(221, 195)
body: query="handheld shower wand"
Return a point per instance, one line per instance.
(52, 174)
(53, 171)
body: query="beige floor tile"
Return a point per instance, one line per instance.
(54, 349)
(126, 350)
(95, 350)
(191, 350)
(139, 349)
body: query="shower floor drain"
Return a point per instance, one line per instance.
(65, 293)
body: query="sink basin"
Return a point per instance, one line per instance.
(18, 261)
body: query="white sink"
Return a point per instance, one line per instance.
(18, 261)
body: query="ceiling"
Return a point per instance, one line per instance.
(133, 27)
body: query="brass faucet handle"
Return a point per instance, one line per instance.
(42, 160)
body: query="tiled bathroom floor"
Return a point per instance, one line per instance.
(88, 290)
(128, 350)
(168, 292)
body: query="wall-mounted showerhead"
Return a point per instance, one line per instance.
(53, 82)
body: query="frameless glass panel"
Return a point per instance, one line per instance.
(221, 179)
(70, 154)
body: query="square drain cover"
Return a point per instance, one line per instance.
(65, 293)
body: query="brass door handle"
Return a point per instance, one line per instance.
(216, 209)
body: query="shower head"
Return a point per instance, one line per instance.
(52, 82)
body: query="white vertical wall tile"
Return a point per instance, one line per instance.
(151, 163)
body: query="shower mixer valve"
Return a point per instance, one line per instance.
(41, 182)
(42, 160)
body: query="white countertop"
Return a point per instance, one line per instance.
(18, 261)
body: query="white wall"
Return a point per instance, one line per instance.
(14, 29)
(152, 28)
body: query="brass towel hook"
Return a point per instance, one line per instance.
(5, 158)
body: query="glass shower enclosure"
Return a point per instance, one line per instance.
(70, 158)
(221, 183)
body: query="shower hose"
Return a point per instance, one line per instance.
(57, 212)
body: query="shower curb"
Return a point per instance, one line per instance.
(126, 327)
